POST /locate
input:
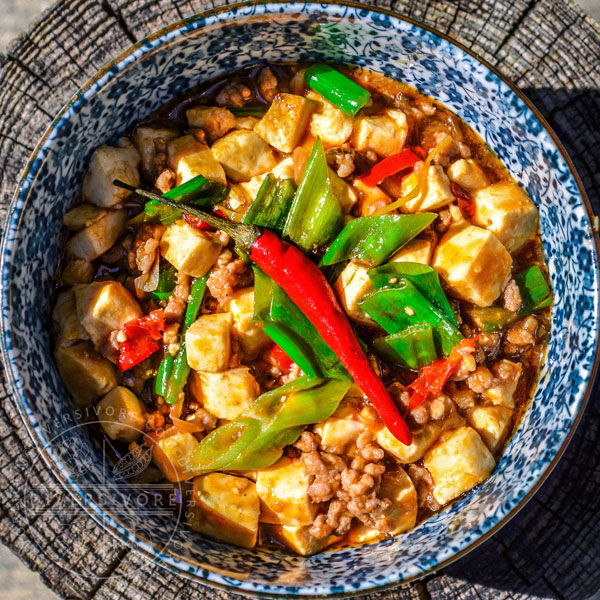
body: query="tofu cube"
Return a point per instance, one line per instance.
(228, 394)
(468, 174)
(143, 138)
(191, 251)
(505, 209)
(458, 462)
(352, 284)
(85, 373)
(107, 164)
(422, 440)
(473, 263)
(244, 154)
(338, 435)
(76, 270)
(189, 158)
(283, 170)
(171, 453)
(225, 507)
(121, 415)
(246, 123)
(214, 120)
(299, 539)
(81, 216)
(103, 307)
(384, 134)
(507, 374)
(208, 344)
(371, 198)
(328, 122)
(491, 423)
(436, 192)
(64, 316)
(284, 123)
(252, 337)
(93, 241)
(283, 492)
(418, 251)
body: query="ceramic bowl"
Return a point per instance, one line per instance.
(185, 54)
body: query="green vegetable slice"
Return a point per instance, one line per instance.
(257, 110)
(272, 204)
(166, 283)
(375, 239)
(413, 347)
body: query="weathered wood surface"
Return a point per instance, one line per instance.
(552, 548)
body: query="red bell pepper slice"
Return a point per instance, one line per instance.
(433, 377)
(144, 337)
(390, 166)
(199, 224)
(284, 362)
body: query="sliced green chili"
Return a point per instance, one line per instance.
(272, 204)
(413, 347)
(166, 283)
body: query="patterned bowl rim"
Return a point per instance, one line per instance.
(112, 523)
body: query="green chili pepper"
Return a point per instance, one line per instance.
(413, 347)
(166, 283)
(374, 239)
(535, 295)
(174, 371)
(198, 192)
(341, 91)
(315, 216)
(250, 111)
(272, 203)
(423, 277)
(403, 305)
(256, 438)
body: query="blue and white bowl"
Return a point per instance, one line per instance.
(185, 54)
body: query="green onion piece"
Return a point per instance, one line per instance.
(256, 439)
(272, 203)
(375, 239)
(413, 347)
(166, 283)
(250, 111)
(315, 216)
(423, 277)
(164, 373)
(399, 307)
(533, 288)
(341, 91)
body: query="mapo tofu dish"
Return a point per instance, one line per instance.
(312, 295)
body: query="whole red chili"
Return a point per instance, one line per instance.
(307, 287)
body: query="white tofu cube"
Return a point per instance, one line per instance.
(436, 192)
(352, 284)
(107, 164)
(64, 316)
(338, 435)
(328, 122)
(299, 539)
(103, 307)
(76, 270)
(189, 158)
(93, 241)
(418, 251)
(491, 423)
(384, 134)
(171, 453)
(251, 336)
(473, 263)
(507, 374)
(371, 198)
(85, 373)
(422, 440)
(121, 415)
(458, 462)
(285, 121)
(507, 211)
(244, 154)
(82, 215)
(283, 492)
(191, 251)
(216, 121)
(246, 123)
(208, 343)
(229, 393)
(468, 174)
(143, 138)
(225, 507)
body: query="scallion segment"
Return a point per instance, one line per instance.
(272, 203)
(257, 110)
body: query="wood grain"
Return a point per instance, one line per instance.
(552, 548)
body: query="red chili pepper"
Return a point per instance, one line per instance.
(433, 377)
(307, 287)
(284, 362)
(199, 224)
(390, 166)
(465, 201)
(420, 152)
(143, 339)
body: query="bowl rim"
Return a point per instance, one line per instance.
(137, 542)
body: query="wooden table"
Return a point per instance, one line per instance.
(551, 50)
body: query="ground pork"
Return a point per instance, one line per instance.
(423, 483)
(341, 161)
(226, 276)
(481, 380)
(511, 296)
(523, 333)
(160, 161)
(178, 298)
(234, 94)
(165, 181)
(267, 84)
